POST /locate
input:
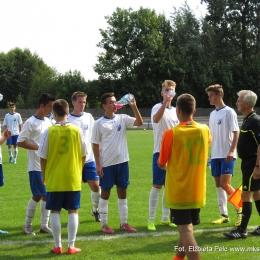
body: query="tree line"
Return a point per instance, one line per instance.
(140, 49)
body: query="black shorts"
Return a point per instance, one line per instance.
(186, 216)
(247, 168)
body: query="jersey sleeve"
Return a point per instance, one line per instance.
(25, 132)
(95, 138)
(4, 122)
(233, 122)
(44, 145)
(83, 144)
(166, 147)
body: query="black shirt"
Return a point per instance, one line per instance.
(249, 137)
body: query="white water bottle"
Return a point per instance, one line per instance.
(124, 100)
(171, 94)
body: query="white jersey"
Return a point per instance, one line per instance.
(168, 120)
(32, 131)
(111, 133)
(12, 121)
(86, 123)
(222, 123)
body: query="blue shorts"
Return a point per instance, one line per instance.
(2, 180)
(115, 175)
(64, 199)
(12, 140)
(37, 187)
(158, 173)
(220, 166)
(89, 172)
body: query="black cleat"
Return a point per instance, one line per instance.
(236, 233)
(256, 232)
(96, 215)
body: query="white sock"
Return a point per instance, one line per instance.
(103, 211)
(56, 229)
(153, 202)
(123, 210)
(95, 196)
(10, 152)
(72, 229)
(222, 201)
(165, 211)
(15, 153)
(30, 212)
(45, 214)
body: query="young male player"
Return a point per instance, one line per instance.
(184, 153)
(86, 123)
(13, 121)
(224, 129)
(62, 154)
(29, 139)
(163, 117)
(112, 159)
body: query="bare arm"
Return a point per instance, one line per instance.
(256, 172)
(27, 145)
(97, 159)
(233, 146)
(7, 134)
(138, 117)
(20, 127)
(43, 167)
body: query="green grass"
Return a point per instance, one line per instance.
(144, 245)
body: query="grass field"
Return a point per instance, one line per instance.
(144, 245)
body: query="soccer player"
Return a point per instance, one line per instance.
(13, 121)
(62, 155)
(224, 129)
(163, 117)
(86, 123)
(112, 159)
(7, 134)
(248, 148)
(184, 153)
(29, 139)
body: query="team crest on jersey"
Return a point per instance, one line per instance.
(85, 127)
(119, 128)
(219, 121)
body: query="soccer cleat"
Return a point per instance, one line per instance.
(45, 230)
(11, 159)
(236, 233)
(106, 229)
(96, 215)
(28, 230)
(256, 232)
(128, 228)
(167, 223)
(14, 161)
(3, 232)
(221, 220)
(57, 250)
(73, 250)
(239, 219)
(151, 226)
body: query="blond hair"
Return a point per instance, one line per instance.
(168, 83)
(216, 89)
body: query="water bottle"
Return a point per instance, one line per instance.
(171, 94)
(1, 96)
(124, 100)
(209, 163)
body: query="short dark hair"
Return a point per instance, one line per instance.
(216, 89)
(186, 103)
(105, 96)
(77, 94)
(12, 105)
(45, 99)
(60, 107)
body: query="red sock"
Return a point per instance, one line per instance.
(178, 258)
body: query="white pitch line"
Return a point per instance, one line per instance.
(119, 236)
